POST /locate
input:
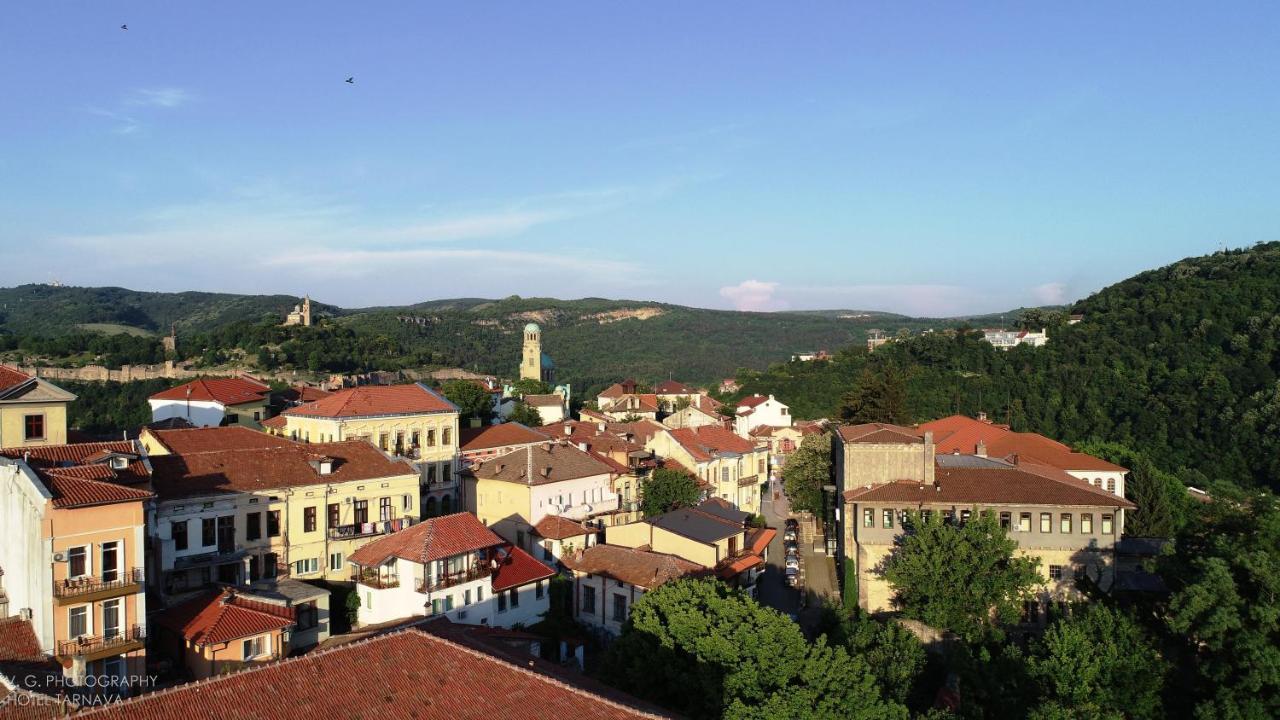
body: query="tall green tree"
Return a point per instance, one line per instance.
(893, 652)
(963, 577)
(706, 650)
(807, 470)
(1225, 606)
(1098, 658)
(529, 386)
(525, 415)
(877, 396)
(472, 400)
(666, 489)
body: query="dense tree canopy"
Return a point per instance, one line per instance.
(807, 470)
(525, 415)
(706, 650)
(472, 400)
(666, 489)
(963, 577)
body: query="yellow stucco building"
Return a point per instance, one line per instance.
(33, 412)
(729, 467)
(411, 421)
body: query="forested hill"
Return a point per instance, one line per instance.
(594, 342)
(1180, 363)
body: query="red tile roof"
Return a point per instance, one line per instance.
(11, 377)
(276, 422)
(404, 674)
(551, 462)
(705, 442)
(551, 400)
(752, 401)
(303, 394)
(516, 568)
(18, 640)
(374, 400)
(991, 486)
(216, 439)
(227, 391)
(496, 436)
(645, 403)
(619, 389)
(257, 469)
(222, 617)
(432, 539)
(642, 568)
(879, 433)
(671, 387)
(554, 527)
(958, 433)
(77, 475)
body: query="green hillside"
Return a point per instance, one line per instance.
(1180, 363)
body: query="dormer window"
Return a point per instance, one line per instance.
(119, 463)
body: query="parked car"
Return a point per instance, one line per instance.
(793, 523)
(793, 576)
(793, 561)
(792, 551)
(790, 534)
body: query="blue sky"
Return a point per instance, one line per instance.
(934, 159)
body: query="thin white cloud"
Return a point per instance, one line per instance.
(165, 97)
(753, 295)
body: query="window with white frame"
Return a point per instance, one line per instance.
(78, 564)
(79, 621)
(307, 566)
(256, 648)
(335, 562)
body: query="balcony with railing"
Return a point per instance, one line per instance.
(369, 529)
(371, 577)
(99, 587)
(96, 647)
(476, 572)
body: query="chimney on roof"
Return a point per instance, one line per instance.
(528, 468)
(546, 471)
(981, 450)
(582, 446)
(982, 416)
(568, 429)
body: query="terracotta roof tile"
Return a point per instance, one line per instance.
(222, 617)
(11, 377)
(496, 436)
(551, 462)
(991, 486)
(879, 433)
(554, 527)
(374, 400)
(255, 469)
(642, 568)
(516, 568)
(227, 391)
(407, 673)
(672, 387)
(78, 475)
(18, 640)
(958, 433)
(216, 439)
(551, 400)
(432, 539)
(705, 442)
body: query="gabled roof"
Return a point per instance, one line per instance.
(724, 509)
(222, 617)
(216, 439)
(377, 400)
(986, 485)
(303, 394)
(11, 378)
(551, 400)
(517, 567)
(752, 401)
(549, 463)
(409, 673)
(79, 474)
(705, 442)
(642, 568)
(19, 387)
(225, 391)
(697, 524)
(258, 469)
(554, 527)
(18, 640)
(619, 388)
(633, 403)
(671, 387)
(958, 433)
(432, 539)
(879, 433)
(495, 436)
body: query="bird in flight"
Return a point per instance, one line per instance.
(124, 27)
(351, 80)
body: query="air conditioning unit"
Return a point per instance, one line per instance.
(25, 614)
(346, 501)
(59, 557)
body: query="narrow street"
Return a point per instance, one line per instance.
(817, 574)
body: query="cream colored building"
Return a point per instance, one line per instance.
(73, 554)
(512, 493)
(535, 364)
(212, 402)
(33, 412)
(236, 515)
(730, 467)
(885, 471)
(411, 421)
